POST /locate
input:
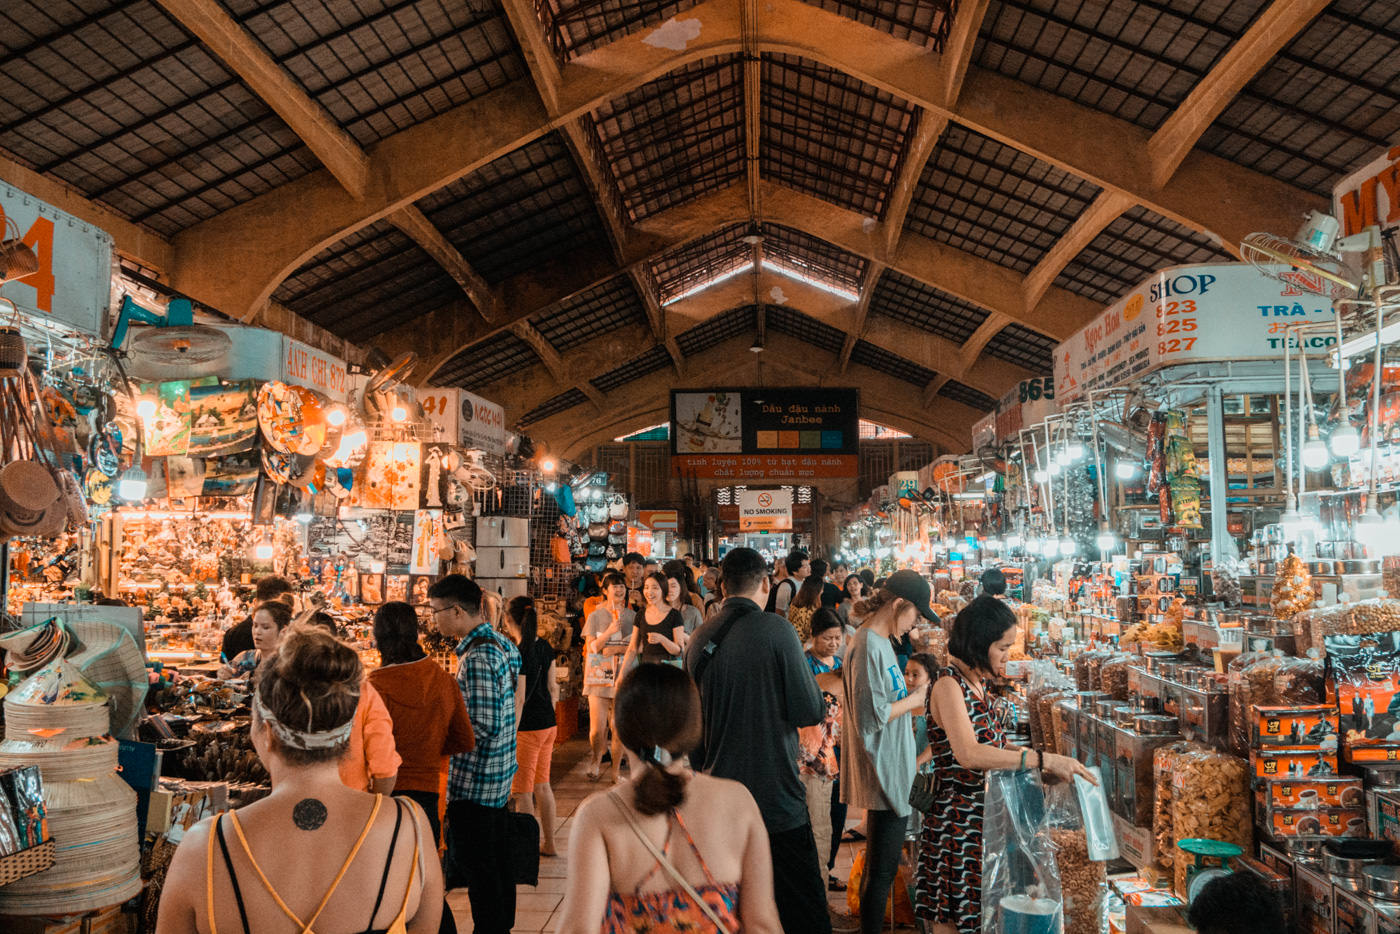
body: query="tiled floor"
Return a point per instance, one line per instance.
(537, 909)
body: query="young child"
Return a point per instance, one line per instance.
(819, 755)
(921, 669)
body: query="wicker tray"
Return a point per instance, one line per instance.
(28, 862)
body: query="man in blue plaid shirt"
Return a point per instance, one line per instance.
(478, 782)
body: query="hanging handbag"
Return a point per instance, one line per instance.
(598, 531)
(921, 795)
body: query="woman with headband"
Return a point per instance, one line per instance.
(314, 854)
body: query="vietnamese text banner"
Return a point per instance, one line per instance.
(765, 433)
(1188, 314)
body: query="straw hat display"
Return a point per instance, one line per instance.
(30, 500)
(58, 719)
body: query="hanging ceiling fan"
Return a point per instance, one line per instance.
(1314, 258)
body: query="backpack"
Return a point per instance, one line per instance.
(772, 606)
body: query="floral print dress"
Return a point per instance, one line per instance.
(948, 883)
(672, 911)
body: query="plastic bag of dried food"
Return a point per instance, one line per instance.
(1225, 582)
(1366, 617)
(1113, 675)
(1251, 683)
(1210, 799)
(1301, 681)
(1043, 680)
(1164, 759)
(1020, 875)
(1082, 875)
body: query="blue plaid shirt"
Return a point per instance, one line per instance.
(486, 675)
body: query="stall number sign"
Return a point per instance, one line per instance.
(73, 283)
(1187, 314)
(306, 366)
(465, 419)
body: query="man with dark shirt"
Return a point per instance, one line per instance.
(755, 691)
(239, 637)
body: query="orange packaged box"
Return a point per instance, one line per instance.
(1336, 792)
(1310, 727)
(1334, 822)
(1293, 763)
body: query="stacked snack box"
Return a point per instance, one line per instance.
(1293, 761)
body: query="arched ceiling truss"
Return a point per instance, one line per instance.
(529, 194)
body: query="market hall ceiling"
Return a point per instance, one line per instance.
(535, 195)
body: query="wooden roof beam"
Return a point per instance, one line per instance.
(656, 317)
(246, 58)
(956, 56)
(269, 236)
(1270, 32)
(420, 230)
(873, 271)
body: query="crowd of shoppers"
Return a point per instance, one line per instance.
(747, 732)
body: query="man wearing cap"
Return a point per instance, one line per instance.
(877, 742)
(755, 691)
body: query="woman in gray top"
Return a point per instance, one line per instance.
(606, 634)
(877, 743)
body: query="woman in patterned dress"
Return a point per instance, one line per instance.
(966, 736)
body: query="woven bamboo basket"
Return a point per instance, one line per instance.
(25, 863)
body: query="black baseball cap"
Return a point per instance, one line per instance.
(911, 586)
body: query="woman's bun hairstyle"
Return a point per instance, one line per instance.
(658, 709)
(311, 685)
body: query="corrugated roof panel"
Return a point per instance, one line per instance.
(526, 207)
(676, 138)
(995, 201)
(1135, 59)
(1131, 249)
(831, 135)
(902, 298)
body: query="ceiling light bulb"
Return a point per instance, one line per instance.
(146, 408)
(1054, 468)
(1315, 454)
(1067, 546)
(398, 413)
(1106, 541)
(336, 416)
(1063, 457)
(1125, 470)
(1345, 440)
(1075, 450)
(1013, 542)
(1041, 475)
(548, 465)
(263, 551)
